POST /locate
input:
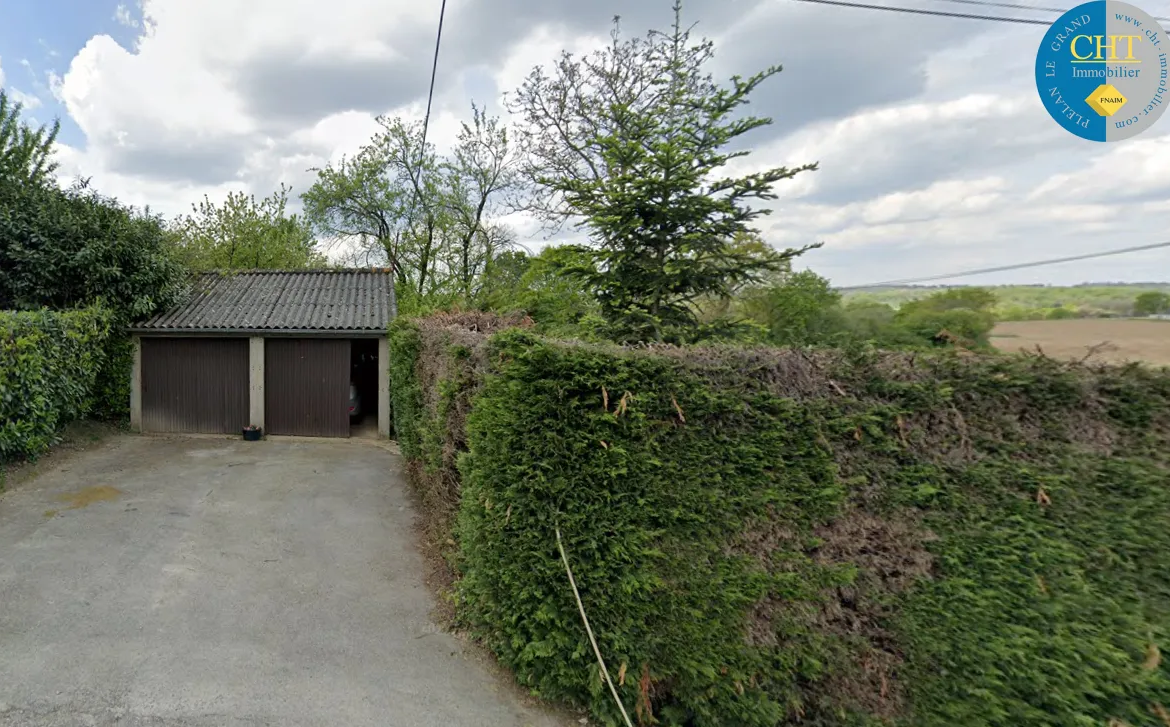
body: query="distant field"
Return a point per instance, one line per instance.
(1129, 340)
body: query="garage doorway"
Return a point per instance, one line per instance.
(364, 377)
(306, 386)
(194, 385)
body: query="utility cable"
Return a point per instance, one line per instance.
(947, 14)
(1012, 6)
(1021, 6)
(923, 11)
(589, 631)
(1002, 268)
(434, 72)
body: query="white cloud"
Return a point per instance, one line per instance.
(1139, 168)
(177, 113)
(933, 156)
(29, 101)
(56, 85)
(541, 46)
(123, 16)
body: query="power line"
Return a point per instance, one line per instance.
(434, 72)
(946, 14)
(1019, 6)
(936, 13)
(1013, 6)
(1018, 266)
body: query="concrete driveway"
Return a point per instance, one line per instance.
(158, 582)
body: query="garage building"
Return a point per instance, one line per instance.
(284, 351)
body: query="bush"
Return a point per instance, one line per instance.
(802, 310)
(1151, 303)
(49, 362)
(766, 536)
(436, 366)
(969, 328)
(877, 323)
(63, 249)
(1061, 314)
(549, 290)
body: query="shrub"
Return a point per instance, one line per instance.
(965, 327)
(826, 538)
(49, 362)
(877, 322)
(63, 249)
(801, 310)
(1061, 314)
(436, 366)
(1151, 303)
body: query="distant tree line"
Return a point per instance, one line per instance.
(1041, 302)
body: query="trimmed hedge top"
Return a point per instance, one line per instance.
(766, 536)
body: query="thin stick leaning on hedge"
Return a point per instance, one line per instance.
(589, 631)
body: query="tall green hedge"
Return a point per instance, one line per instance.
(49, 362)
(764, 537)
(433, 366)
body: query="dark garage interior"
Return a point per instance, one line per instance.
(364, 376)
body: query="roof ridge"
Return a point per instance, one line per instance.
(321, 271)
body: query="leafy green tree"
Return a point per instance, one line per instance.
(430, 219)
(548, 288)
(26, 154)
(382, 204)
(633, 143)
(876, 323)
(243, 233)
(803, 310)
(1061, 313)
(959, 316)
(1031, 302)
(776, 268)
(979, 299)
(502, 279)
(955, 326)
(359, 204)
(70, 248)
(1018, 313)
(480, 173)
(1152, 303)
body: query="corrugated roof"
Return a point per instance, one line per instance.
(326, 300)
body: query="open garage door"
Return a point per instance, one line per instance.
(306, 386)
(194, 385)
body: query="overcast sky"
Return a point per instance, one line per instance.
(935, 152)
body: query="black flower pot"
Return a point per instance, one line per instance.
(252, 434)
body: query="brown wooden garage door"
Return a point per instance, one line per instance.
(194, 384)
(306, 387)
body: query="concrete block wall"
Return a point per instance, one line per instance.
(136, 387)
(384, 387)
(256, 381)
